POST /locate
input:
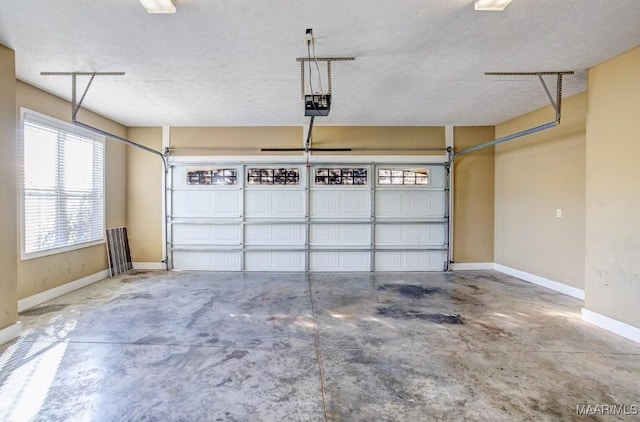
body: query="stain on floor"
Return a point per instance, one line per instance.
(137, 272)
(411, 290)
(133, 279)
(492, 328)
(437, 318)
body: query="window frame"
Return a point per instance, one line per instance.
(236, 177)
(57, 124)
(402, 185)
(249, 185)
(341, 167)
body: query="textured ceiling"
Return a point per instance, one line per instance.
(232, 63)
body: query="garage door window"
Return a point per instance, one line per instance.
(273, 176)
(228, 177)
(399, 176)
(340, 176)
(62, 182)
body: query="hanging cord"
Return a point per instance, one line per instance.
(309, 63)
(309, 43)
(315, 59)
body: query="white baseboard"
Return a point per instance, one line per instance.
(620, 328)
(149, 266)
(37, 299)
(469, 266)
(541, 281)
(10, 332)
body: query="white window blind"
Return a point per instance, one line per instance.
(62, 185)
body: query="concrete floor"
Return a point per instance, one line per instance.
(188, 346)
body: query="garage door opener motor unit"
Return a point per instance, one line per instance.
(317, 105)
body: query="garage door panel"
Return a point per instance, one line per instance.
(410, 204)
(210, 209)
(274, 261)
(437, 177)
(208, 260)
(340, 204)
(340, 234)
(410, 260)
(274, 204)
(275, 234)
(410, 234)
(206, 204)
(340, 261)
(205, 234)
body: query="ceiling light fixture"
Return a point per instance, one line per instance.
(158, 6)
(491, 5)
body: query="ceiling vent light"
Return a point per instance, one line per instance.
(491, 5)
(158, 6)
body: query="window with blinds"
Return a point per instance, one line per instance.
(62, 186)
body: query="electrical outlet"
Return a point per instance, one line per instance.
(558, 213)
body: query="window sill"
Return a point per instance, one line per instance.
(41, 254)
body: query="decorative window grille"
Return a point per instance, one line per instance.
(340, 176)
(273, 176)
(403, 176)
(212, 176)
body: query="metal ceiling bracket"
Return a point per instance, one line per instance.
(546, 89)
(302, 61)
(557, 104)
(75, 106)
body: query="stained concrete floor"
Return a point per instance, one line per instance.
(189, 346)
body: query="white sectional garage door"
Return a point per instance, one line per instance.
(328, 217)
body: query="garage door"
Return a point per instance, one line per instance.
(327, 217)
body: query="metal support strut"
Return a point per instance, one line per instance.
(307, 144)
(75, 107)
(557, 106)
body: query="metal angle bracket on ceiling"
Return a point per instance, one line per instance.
(556, 104)
(75, 107)
(302, 61)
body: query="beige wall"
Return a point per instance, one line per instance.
(388, 139)
(534, 176)
(144, 196)
(613, 189)
(40, 274)
(473, 203)
(236, 140)
(249, 140)
(8, 183)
